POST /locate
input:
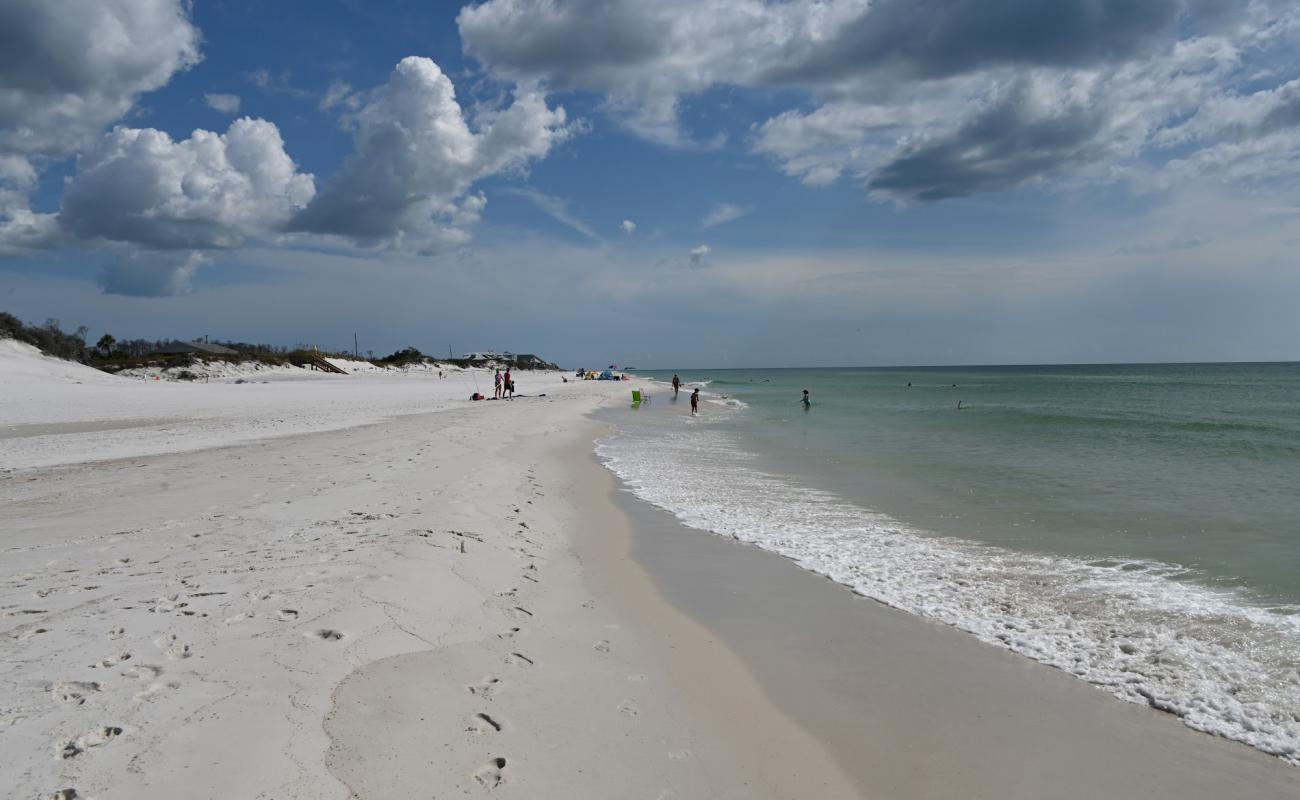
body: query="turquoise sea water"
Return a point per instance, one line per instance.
(1136, 525)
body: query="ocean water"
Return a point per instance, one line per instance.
(1137, 526)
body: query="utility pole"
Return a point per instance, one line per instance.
(356, 353)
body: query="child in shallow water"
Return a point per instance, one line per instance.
(695, 401)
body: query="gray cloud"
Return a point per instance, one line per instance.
(905, 89)
(1004, 146)
(942, 38)
(570, 43)
(150, 275)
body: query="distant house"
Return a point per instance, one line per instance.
(516, 360)
(488, 356)
(197, 348)
(531, 361)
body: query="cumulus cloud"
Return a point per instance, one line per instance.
(555, 208)
(138, 186)
(416, 157)
(996, 93)
(23, 230)
(68, 70)
(723, 213)
(699, 255)
(628, 227)
(151, 274)
(225, 103)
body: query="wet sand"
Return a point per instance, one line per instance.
(913, 709)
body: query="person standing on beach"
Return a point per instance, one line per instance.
(497, 382)
(695, 401)
(677, 385)
(509, 383)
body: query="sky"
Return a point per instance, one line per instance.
(677, 184)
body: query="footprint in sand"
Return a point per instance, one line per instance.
(171, 647)
(73, 693)
(508, 633)
(142, 672)
(115, 633)
(65, 794)
(328, 634)
(491, 775)
(287, 614)
(484, 688)
(112, 661)
(154, 690)
(71, 748)
(519, 659)
(602, 646)
(482, 724)
(629, 708)
(519, 612)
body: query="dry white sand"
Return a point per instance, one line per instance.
(396, 609)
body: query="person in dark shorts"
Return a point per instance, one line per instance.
(677, 385)
(807, 404)
(695, 401)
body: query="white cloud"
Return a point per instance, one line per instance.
(339, 92)
(723, 213)
(67, 70)
(225, 103)
(556, 208)
(921, 99)
(267, 81)
(700, 255)
(138, 186)
(628, 227)
(416, 157)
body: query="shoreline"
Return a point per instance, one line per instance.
(463, 600)
(912, 708)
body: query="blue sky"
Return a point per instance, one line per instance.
(840, 182)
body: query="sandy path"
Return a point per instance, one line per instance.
(389, 610)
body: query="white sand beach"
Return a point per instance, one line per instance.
(392, 605)
(368, 586)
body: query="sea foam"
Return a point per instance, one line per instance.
(1137, 628)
